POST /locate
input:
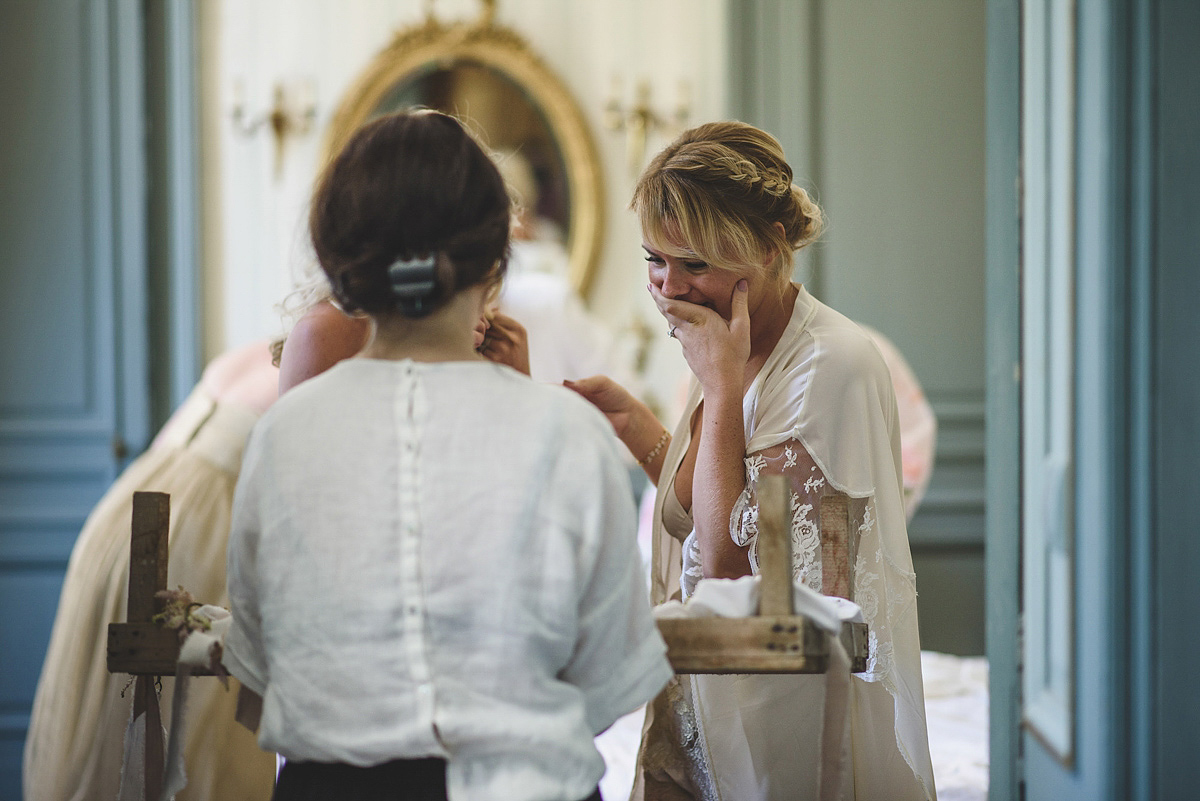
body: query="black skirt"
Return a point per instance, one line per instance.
(398, 780)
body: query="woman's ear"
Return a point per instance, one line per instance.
(770, 257)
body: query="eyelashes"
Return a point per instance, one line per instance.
(690, 266)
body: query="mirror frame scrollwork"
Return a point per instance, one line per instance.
(484, 43)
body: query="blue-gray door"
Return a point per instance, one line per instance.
(74, 381)
(1094, 380)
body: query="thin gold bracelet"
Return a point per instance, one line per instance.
(658, 446)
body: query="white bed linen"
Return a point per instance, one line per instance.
(956, 712)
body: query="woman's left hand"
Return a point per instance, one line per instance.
(506, 342)
(715, 349)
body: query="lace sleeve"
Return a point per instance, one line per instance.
(853, 567)
(823, 565)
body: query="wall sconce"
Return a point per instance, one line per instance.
(638, 120)
(641, 338)
(284, 118)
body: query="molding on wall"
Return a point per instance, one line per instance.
(952, 515)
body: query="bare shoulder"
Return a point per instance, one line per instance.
(320, 339)
(230, 365)
(243, 375)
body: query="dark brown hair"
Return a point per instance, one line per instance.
(409, 185)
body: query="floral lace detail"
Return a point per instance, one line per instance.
(673, 751)
(693, 570)
(806, 544)
(864, 590)
(754, 465)
(743, 520)
(881, 660)
(868, 524)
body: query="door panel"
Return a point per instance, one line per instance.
(71, 223)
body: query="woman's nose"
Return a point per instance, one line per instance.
(673, 283)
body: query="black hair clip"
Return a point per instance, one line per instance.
(413, 283)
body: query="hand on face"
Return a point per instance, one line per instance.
(716, 349)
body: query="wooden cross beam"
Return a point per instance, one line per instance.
(140, 646)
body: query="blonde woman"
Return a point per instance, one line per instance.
(782, 384)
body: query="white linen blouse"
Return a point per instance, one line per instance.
(822, 412)
(438, 559)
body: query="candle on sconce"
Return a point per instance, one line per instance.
(238, 95)
(292, 113)
(613, 118)
(683, 109)
(308, 97)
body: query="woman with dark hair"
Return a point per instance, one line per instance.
(434, 582)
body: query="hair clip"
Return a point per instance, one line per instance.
(413, 279)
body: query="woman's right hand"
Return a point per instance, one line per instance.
(617, 403)
(632, 420)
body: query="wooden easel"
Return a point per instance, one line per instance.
(140, 646)
(775, 640)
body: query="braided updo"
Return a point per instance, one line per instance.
(716, 192)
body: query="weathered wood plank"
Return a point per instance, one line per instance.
(854, 640)
(776, 640)
(784, 644)
(774, 546)
(144, 649)
(145, 702)
(837, 546)
(148, 554)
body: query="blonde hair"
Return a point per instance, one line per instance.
(715, 194)
(312, 289)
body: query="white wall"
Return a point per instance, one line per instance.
(254, 220)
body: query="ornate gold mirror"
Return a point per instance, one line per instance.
(488, 76)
